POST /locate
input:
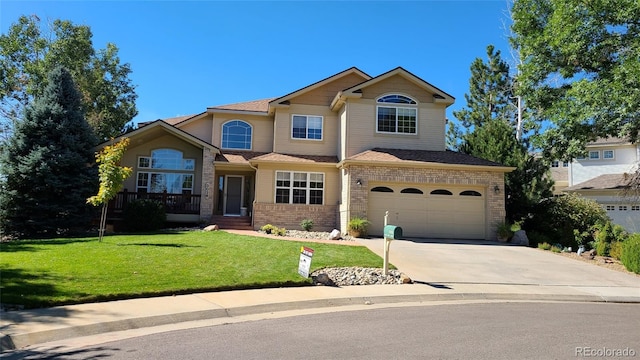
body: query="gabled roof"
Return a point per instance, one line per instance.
(254, 106)
(150, 130)
(439, 95)
(171, 121)
(285, 98)
(423, 157)
(603, 182)
(237, 157)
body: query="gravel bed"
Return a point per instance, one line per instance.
(345, 276)
(316, 235)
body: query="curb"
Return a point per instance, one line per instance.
(11, 342)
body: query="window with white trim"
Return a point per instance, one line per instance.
(554, 163)
(608, 154)
(594, 155)
(236, 134)
(397, 114)
(565, 164)
(168, 171)
(299, 188)
(306, 127)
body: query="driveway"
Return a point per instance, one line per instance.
(483, 262)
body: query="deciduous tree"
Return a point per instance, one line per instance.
(29, 51)
(580, 69)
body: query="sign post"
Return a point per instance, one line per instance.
(304, 265)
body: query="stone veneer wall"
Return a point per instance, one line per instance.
(290, 215)
(207, 195)
(495, 211)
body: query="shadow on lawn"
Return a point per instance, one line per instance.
(32, 245)
(24, 289)
(160, 245)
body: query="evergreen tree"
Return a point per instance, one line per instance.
(47, 164)
(489, 132)
(528, 183)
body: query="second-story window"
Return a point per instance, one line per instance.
(397, 114)
(306, 127)
(236, 134)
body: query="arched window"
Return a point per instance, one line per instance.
(470, 193)
(397, 119)
(411, 191)
(236, 134)
(382, 189)
(441, 192)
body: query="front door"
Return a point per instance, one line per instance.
(233, 194)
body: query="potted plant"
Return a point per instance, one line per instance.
(358, 226)
(504, 231)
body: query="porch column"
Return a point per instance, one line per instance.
(207, 196)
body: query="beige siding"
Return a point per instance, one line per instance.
(266, 211)
(325, 94)
(265, 181)
(200, 128)
(362, 135)
(397, 84)
(330, 132)
(130, 158)
(262, 130)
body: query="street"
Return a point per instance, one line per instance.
(510, 330)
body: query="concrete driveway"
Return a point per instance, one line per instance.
(482, 262)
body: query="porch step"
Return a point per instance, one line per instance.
(232, 222)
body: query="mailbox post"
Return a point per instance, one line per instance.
(391, 232)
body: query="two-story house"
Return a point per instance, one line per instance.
(348, 145)
(603, 174)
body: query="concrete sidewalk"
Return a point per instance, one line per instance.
(442, 271)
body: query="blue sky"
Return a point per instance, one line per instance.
(188, 55)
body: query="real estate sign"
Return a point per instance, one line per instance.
(305, 261)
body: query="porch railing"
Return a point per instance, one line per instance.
(173, 203)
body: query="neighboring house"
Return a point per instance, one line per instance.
(348, 145)
(560, 176)
(604, 174)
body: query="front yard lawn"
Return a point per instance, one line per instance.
(41, 273)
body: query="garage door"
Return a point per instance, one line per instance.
(429, 211)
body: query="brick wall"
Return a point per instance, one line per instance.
(290, 215)
(495, 211)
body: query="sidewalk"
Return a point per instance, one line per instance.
(441, 271)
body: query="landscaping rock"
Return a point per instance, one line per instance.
(211, 228)
(334, 234)
(345, 276)
(520, 238)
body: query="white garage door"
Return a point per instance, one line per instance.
(429, 211)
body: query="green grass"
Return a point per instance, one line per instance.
(41, 273)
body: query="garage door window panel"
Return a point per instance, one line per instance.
(441, 192)
(411, 191)
(382, 189)
(470, 193)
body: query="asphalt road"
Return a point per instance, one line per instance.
(519, 330)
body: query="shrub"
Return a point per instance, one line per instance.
(269, 229)
(144, 215)
(602, 248)
(538, 238)
(281, 231)
(615, 251)
(544, 246)
(306, 224)
(503, 229)
(556, 249)
(607, 233)
(630, 257)
(359, 225)
(558, 217)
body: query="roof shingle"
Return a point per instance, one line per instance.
(261, 105)
(441, 157)
(603, 182)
